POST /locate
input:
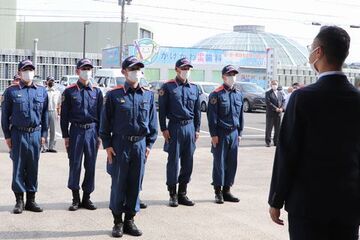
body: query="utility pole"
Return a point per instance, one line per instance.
(35, 52)
(122, 4)
(84, 38)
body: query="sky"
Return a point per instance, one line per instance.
(186, 22)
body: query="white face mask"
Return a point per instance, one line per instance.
(27, 76)
(85, 74)
(312, 65)
(134, 76)
(230, 80)
(274, 87)
(185, 74)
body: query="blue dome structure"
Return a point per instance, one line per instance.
(254, 38)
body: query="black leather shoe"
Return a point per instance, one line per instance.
(268, 145)
(88, 204)
(19, 206)
(75, 205)
(219, 199)
(228, 197)
(118, 230)
(173, 201)
(184, 200)
(131, 229)
(75, 201)
(52, 150)
(143, 205)
(31, 205)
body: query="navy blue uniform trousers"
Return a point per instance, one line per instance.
(83, 143)
(181, 148)
(126, 172)
(25, 154)
(225, 158)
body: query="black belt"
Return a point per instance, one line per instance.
(228, 129)
(84, 126)
(133, 138)
(28, 129)
(182, 122)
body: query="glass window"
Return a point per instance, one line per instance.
(152, 74)
(216, 76)
(252, 88)
(197, 75)
(209, 88)
(145, 33)
(120, 80)
(171, 74)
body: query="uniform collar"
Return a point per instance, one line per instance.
(128, 88)
(229, 89)
(22, 85)
(51, 88)
(330, 73)
(80, 85)
(179, 82)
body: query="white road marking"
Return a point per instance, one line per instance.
(258, 129)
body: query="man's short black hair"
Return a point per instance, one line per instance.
(335, 43)
(295, 84)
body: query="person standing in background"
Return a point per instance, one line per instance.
(54, 97)
(274, 107)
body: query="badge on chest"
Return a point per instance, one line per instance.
(121, 100)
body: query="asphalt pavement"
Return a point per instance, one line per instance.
(206, 220)
(248, 219)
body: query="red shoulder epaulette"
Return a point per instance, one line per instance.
(219, 88)
(14, 84)
(73, 85)
(117, 87)
(171, 81)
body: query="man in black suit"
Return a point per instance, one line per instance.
(317, 162)
(274, 107)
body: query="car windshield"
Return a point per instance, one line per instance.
(252, 88)
(209, 88)
(73, 80)
(120, 80)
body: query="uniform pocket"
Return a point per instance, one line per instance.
(191, 101)
(224, 105)
(238, 105)
(144, 111)
(39, 102)
(21, 106)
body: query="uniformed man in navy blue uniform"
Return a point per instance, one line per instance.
(81, 107)
(225, 117)
(24, 123)
(128, 131)
(179, 102)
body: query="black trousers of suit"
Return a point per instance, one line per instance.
(273, 120)
(301, 228)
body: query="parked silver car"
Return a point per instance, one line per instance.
(205, 88)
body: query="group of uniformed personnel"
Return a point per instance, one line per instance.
(126, 122)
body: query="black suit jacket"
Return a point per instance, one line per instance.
(273, 101)
(316, 170)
